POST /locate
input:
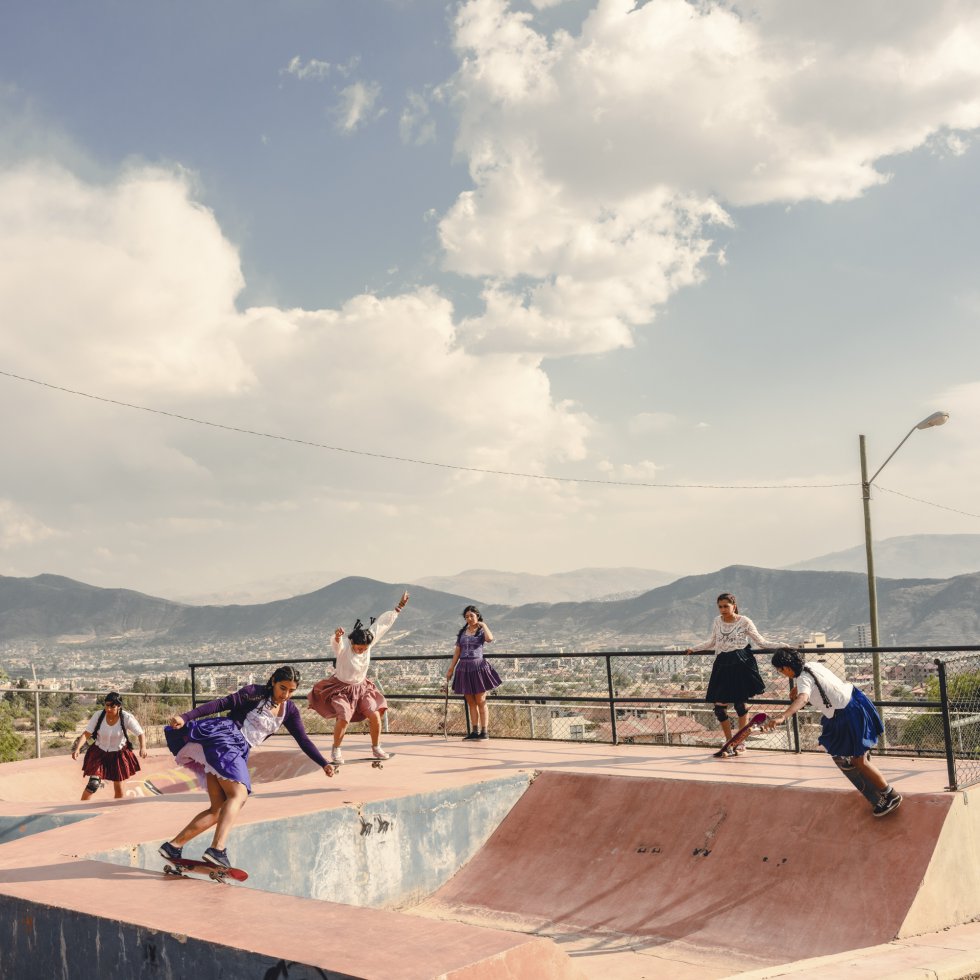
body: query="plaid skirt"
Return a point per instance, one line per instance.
(114, 766)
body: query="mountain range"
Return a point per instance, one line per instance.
(785, 604)
(911, 556)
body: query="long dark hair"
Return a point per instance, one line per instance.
(285, 673)
(728, 597)
(795, 660)
(479, 619)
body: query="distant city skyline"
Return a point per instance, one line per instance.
(695, 247)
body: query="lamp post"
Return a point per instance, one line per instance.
(937, 418)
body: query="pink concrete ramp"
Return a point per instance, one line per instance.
(57, 779)
(760, 871)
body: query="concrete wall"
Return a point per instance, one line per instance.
(40, 941)
(14, 828)
(391, 854)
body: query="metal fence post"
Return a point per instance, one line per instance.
(612, 704)
(193, 686)
(37, 723)
(947, 727)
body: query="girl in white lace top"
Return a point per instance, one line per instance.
(735, 677)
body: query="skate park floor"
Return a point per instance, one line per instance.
(48, 839)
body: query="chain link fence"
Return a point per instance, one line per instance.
(625, 697)
(958, 680)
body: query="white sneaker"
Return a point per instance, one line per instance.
(336, 756)
(379, 753)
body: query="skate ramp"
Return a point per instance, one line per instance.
(768, 873)
(59, 779)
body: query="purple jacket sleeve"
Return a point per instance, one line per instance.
(294, 725)
(236, 700)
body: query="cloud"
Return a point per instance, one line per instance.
(312, 69)
(646, 422)
(416, 125)
(357, 105)
(132, 286)
(603, 163)
(18, 527)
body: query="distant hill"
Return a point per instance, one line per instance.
(925, 555)
(580, 585)
(784, 604)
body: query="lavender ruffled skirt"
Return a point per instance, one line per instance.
(474, 676)
(211, 745)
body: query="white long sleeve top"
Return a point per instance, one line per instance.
(352, 667)
(734, 636)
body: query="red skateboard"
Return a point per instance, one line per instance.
(754, 725)
(213, 871)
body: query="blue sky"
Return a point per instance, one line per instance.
(678, 245)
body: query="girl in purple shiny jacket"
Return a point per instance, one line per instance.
(216, 749)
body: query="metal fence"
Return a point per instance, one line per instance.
(958, 678)
(56, 716)
(930, 700)
(646, 697)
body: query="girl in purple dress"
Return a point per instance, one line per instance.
(217, 749)
(474, 675)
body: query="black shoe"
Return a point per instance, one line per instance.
(170, 852)
(887, 803)
(472, 735)
(484, 734)
(218, 858)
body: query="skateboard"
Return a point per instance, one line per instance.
(858, 781)
(180, 869)
(375, 763)
(754, 724)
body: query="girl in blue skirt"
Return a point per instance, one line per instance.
(216, 749)
(474, 676)
(850, 724)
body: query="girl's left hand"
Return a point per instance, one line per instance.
(328, 769)
(143, 753)
(176, 722)
(403, 601)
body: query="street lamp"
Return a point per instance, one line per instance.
(937, 418)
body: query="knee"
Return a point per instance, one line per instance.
(843, 762)
(741, 709)
(721, 712)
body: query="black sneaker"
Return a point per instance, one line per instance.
(887, 803)
(484, 734)
(472, 735)
(218, 858)
(170, 852)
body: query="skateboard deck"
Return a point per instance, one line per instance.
(184, 868)
(858, 781)
(754, 724)
(375, 763)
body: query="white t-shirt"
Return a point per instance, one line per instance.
(734, 636)
(110, 737)
(838, 692)
(352, 667)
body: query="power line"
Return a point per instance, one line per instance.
(928, 503)
(420, 462)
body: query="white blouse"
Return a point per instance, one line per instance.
(262, 721)
(352, 667)
(110, 737)
(734, 636)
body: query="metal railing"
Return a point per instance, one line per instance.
(651, 697)
(613, 697)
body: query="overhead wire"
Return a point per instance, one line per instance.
(434, 463)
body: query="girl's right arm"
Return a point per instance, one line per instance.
(709, 644)
(215, 707)
(452, 666)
